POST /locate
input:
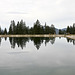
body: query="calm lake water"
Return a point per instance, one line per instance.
(37, 56)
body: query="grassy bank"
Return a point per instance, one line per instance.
(32, 35)
(68, 36)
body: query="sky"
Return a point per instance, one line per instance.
(61, 13)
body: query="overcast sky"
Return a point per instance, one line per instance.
(58, 12)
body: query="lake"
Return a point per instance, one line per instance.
(37, 56)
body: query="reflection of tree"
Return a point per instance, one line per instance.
(21, 42)
(0, 40)
(46, 40)
(68, 40)
(12, 42)
(59, 37)
(51, 39)
(5, 38)
(37, 41)
(71, 41)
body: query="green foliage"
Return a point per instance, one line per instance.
(62, 31)
(49, 29)
(21, 28)
(12, 28)
(5, 31)
(37, 27)
(0, 30)
(70, 29)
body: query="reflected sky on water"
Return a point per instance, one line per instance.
(22, 41)
(37, 56)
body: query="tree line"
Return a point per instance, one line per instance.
(21, 28)
(71, 29)
(22, 41)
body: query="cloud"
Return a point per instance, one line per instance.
(16, 13)
(58, 12)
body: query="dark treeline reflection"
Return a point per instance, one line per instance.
(38, 41)
(71, 41)
(21, 41)
(0, 41)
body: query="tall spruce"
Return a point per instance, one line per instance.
(52, 29)
(74, 28)
(0, 31)
(18, 28)
(71, 29)
(12, 28)
(5, 31)
(36, 27)
(68, 29)
(22, 27)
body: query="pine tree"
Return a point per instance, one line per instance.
(36, 27)
(13, 26)
(74, 28)
(5, 31)
(22, 27)
(10, 30)
(18, 28)
(52, 29)
(60, 31)
(0, 30)
(68, 30)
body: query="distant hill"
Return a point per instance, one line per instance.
(64, 29)
(57, 30)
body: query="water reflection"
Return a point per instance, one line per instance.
(5, 38)
(21, 41)
(0, 41)
(71, 41)
(37, 41)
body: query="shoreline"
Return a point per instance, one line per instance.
(45, 35)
